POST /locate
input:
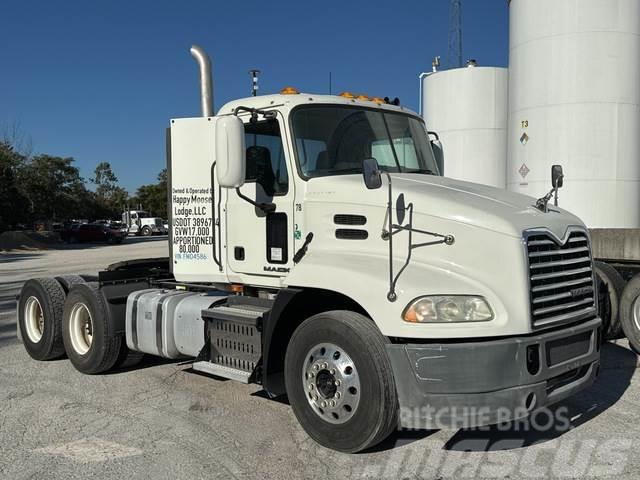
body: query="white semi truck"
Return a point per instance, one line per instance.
(140, 222)
(315, 250)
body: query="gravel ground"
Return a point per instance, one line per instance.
(162, 420)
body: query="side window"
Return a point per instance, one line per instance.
(266, 164)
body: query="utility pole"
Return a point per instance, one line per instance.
(454, 57)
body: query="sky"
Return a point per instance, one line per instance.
(99, 80)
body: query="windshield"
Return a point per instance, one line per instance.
(334, 140)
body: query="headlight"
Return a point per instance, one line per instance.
(448, 308)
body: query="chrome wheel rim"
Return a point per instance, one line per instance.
(331, 383)
(80, 328)
(636, 312)
(33, 319)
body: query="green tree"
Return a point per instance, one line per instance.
(109, 195)
(53, 187)
(153, 197)
(13, 204)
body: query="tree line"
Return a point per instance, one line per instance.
(48, 188)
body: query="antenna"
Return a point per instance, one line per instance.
(454, 58)
(254, 72)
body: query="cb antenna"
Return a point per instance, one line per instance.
(254, 81)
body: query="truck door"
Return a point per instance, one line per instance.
(259, 242)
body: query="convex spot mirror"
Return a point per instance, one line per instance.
(230, 152)
(438, 153)
(371, 173)
(557, 176)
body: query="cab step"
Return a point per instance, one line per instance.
(222, 371)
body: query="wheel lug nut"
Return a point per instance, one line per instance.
(311, 386)
(325, 365)
(332, 371)
(337, 394)
(332, 403)
(338, 383)
(324, 404)
(316, 367)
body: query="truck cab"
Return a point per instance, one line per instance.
(140, 222)
(474, 288)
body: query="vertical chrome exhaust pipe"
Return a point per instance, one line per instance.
(206, 87)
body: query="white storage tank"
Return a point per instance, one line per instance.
(574, 100)
(467, 107)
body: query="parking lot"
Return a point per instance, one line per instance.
(161, 420)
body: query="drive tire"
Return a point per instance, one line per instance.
(630, 312)
(87, 330)
(127, 358)
(376, 413)
(614, 283)
(146, 232)
(41, 298)
(68, 281)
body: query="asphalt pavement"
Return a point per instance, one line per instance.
(161, 420)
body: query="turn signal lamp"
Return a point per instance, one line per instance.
(289, 91)
(347, 95)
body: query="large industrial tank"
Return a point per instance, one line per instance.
(467, 107)
(574, 100)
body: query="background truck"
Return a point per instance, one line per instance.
(315, 250)
(140, 222)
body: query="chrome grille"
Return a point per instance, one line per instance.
(561, 278)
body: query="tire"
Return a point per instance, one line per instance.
(68, 281)
(96, 350)
(40, 309)
(630, 312)
(366, 415)
(127, 358)
(609, 312)
(146, 232)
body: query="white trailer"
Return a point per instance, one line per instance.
(315, 250)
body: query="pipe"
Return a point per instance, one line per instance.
(206, 87)
(421, 77)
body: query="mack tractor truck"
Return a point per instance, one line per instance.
(316, 250)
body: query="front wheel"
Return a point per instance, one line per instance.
(146, 232)
(340, 382)
(630, 312)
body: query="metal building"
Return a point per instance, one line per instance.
(574, 99)
(467, 107)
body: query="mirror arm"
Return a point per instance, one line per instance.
(255, 112)
(265, 207)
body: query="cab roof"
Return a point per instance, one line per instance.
(290, 101)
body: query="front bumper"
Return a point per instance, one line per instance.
(470, 384)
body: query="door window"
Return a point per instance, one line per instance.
(266, 164)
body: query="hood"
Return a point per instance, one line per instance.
(448, 199)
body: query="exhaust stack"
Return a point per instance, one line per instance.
(206, 88)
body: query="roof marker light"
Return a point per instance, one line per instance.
(289, 91)
(347, 95)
